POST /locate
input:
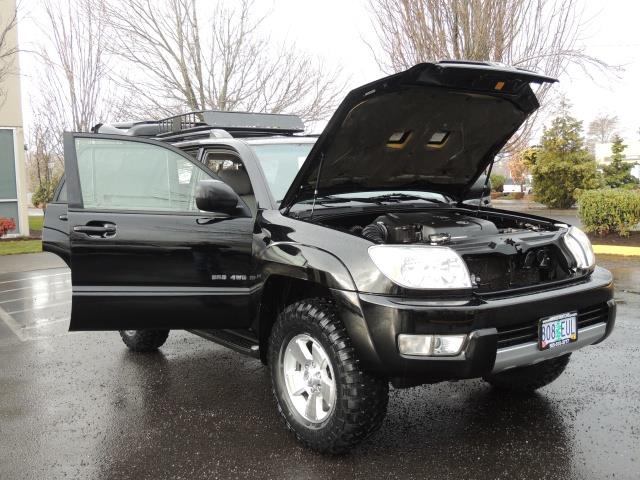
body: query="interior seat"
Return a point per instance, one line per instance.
(239, 181)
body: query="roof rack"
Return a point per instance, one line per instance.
(204, 122)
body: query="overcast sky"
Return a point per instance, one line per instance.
(336, 30)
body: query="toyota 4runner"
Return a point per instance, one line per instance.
(344, 262)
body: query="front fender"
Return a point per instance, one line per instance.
(305, 262)
(318, 266)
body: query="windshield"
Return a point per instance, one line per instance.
(280, 163)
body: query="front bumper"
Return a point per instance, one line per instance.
(529, 353)
(500, 329)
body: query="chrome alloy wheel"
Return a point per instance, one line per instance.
(130, 333)
(308, 377)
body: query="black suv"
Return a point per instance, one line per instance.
(343, 262)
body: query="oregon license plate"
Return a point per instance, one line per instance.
(558, 330)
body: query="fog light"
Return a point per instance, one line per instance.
(430, 345)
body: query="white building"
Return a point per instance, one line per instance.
(631, 153)
(12, 168)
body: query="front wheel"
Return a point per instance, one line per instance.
(530, 378)
(144, 340)
(325, 397)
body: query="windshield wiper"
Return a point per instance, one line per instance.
(400, 197)
(327, 199)
(379, 199)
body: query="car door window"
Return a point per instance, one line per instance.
(127, 175)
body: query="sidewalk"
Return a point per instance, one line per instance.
(29, 261)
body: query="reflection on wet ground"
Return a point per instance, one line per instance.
(35, 304)
(626, 271)
(81, 406)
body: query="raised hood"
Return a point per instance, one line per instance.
(434, 127)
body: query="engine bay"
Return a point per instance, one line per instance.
(502, 251)
(432, 228)
(440, 227)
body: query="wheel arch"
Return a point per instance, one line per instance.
(293, 272)
(278, 292)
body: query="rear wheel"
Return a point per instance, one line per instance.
(144, 340)
(325, 397)
(530, 378)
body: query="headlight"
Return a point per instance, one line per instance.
(580, 247)
(421, 266)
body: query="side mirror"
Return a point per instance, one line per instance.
(216, 196)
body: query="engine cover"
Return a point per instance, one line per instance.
(429, 227)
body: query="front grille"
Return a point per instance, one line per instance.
(498, 272)
(528, 331)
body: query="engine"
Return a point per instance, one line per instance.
(498, 255)
(437, 228)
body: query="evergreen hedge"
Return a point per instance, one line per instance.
(611, 210)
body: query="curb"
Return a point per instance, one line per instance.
(616, 250)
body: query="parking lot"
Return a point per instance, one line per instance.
(80, 405)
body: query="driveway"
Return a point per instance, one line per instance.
(80, 405)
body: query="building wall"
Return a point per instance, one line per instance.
(631, 153)
(12, 165)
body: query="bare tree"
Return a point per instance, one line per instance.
(187, 56)
(44, 160)
(8, 48)
(75, 83)
(541, 35)
(602, 128)
(73, 88)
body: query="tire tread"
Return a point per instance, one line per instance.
(145, 340)
(363, 397)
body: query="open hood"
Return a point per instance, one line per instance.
(434, 127)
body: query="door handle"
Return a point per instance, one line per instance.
(63, 217)
(104, 230)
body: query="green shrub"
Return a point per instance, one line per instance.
(607, 211)
(44, 193)
(618, 173)
(563, 165)
(497, 181)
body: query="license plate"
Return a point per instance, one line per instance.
(558, 330)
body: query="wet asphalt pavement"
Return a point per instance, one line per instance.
(81, 405)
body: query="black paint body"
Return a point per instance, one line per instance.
(202, 271)
(156, 273)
